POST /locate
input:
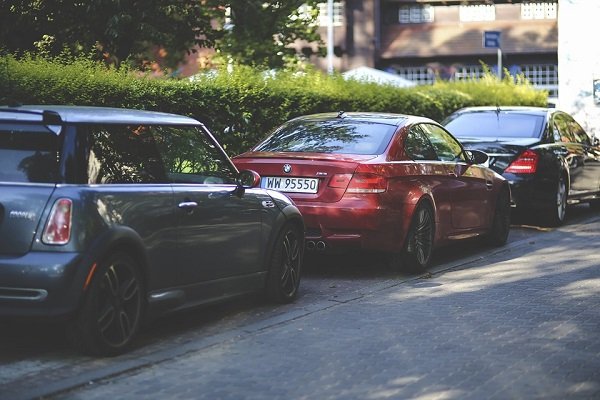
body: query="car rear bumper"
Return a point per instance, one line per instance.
(40, 284)
(352, 223)
(529, 191)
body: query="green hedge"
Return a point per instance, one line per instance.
(242, 106)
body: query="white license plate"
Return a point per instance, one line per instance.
(284, 184)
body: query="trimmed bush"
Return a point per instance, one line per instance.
(242, 106)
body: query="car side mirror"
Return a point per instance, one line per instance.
(248, 179)
(477, 156)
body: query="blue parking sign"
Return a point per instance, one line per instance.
(491, 39)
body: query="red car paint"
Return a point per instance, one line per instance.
(375, 211)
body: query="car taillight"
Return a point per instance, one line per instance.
(367, 183)
(58, 227)
(340, 181)
(526, 163)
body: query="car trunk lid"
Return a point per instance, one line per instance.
(21, 207)
(330, 172)
(501, 151)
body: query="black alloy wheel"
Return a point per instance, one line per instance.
(113, 308)
(419, 241)
(500, 229)
(285, 266)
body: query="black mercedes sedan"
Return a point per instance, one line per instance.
(548, 158)
(108, 216)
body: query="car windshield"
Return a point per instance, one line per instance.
(28, 153)
(330, 136)
(494, 124)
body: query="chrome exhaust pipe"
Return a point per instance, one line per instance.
(310, 245)
(321, 245)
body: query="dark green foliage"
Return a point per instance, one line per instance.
(242, 106)
(114, 31)
(260, 33)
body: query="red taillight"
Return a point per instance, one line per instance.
(340, 181)
(367, 183)
(58, 227)
(526, 163)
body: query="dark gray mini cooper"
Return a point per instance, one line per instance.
(108, 216)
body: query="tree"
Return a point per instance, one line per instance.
(117, 30)
(261, 33)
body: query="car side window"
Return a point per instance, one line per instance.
(578, 132)
(446, 147)
(191, 157)
(561, 129)
(123, 154)
(417, 146)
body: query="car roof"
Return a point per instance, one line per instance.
(520, 109)
(374, 117)
(89, 114)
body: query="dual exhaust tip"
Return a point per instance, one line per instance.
(316, 246)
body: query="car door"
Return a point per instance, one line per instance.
(590, 176)
(470, 185)
(219, 224)
(567, 147)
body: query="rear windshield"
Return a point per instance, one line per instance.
(330, 136)
(493, 124)
(28, 153)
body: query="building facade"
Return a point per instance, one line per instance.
(425, 40)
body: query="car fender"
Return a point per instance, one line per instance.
(118, 237)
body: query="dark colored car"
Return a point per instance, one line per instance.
(547, 157)
(108, 216)
(396, 184)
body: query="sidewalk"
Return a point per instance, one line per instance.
(522, 324)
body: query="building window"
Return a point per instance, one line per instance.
(539, 10)
(542, 76)
(477, 12)
(468, 72)
(420, 75)
(338, 14)
(415, 14)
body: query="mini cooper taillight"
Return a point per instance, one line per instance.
(58, 227)
(526, 163)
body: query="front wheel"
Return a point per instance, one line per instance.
(418, 247)
(285, 265)
(112, 309)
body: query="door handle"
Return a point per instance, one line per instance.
(187, 205)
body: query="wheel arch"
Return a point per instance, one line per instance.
(119, 238)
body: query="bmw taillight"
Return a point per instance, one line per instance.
(526, 163)
(367, 183)
(58, 227)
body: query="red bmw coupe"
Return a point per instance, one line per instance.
(398, 184)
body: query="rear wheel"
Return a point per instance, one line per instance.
(498, 234)
(285, 265)
(418, 247)
(112, 310)
(555, 216)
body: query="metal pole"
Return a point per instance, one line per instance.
(330, 36)
(499, 63)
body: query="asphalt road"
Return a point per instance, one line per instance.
(36, 361)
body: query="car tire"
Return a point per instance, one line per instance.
(555, 216)
(500, 229)
(285, 265)
(418, 246)
(112, 310)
